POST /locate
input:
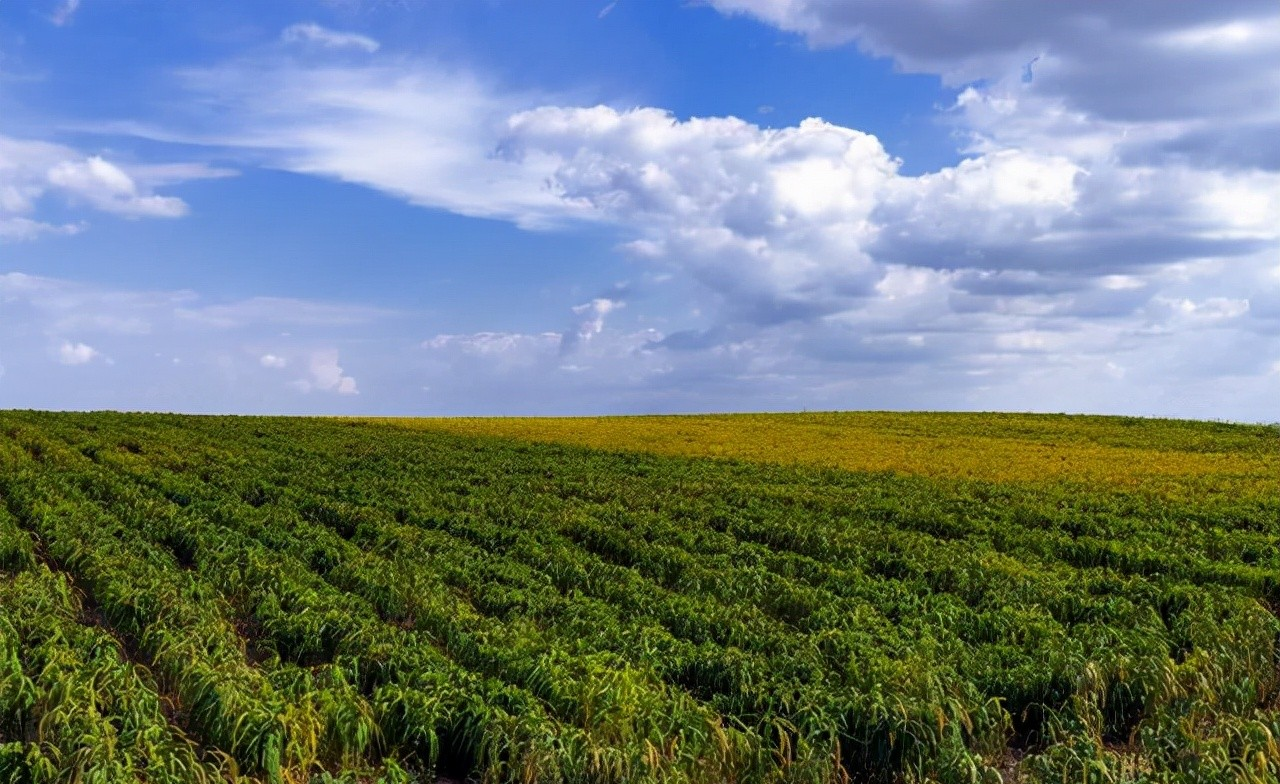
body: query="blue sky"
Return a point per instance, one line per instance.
(507, 207)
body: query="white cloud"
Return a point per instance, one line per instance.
(143, 349)
(108, 188)
(24, 166)
(591, 317)
(325, 374)
(507, 349)
(1081, 47)
(31, 171)
(76, 353)
(801, 222)
(277, 310)
(594, 313)
(1003, 197)
(312, 33)
(779, 223)
(1210, 310)
(1031, 340)
(20, 228)
(1191, 79)
(418, 131)
(154, 175)
(63, 14)
(775, 221)
(927, 339)
(513, 372)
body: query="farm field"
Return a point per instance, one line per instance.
(754, 598)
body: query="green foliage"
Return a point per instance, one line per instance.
(290, 600)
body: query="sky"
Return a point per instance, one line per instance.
(491, 207)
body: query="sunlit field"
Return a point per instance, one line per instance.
(1123, 452)
(748, 598)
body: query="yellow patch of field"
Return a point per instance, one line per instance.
(1162, 455)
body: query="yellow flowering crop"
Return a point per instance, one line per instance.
(1164, 456)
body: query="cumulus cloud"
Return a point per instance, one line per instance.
(1094, 52)
(106, 187)
(1187, 78)
(777, 224)
(773, 220)
(781, 223)
(32, 170)
(799, 223)
(325, 374)
(312, 33)
(272, 361)
(76, 353)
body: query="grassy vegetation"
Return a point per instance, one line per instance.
(1164, 455)
(835, 597)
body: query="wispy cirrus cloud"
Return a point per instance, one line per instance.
(419, 131)
(64, 12)
(312, 33)
(19, 228)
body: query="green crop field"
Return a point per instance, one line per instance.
(801, 598)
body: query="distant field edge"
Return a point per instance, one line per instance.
(1165, 454)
